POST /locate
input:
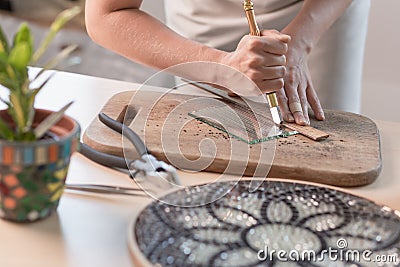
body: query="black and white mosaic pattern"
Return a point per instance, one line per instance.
(280, 216)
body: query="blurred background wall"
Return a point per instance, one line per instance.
(381, 82)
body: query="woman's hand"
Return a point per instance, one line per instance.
(314, 18)
(298, 90)
(260, 59)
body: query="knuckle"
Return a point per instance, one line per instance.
(255, 62)
(273, 31)
(282, 71)
(278, 72)
(281, 48)
(279, 83)
(294, 99)
(253, 75)
(283, 59)
(291, 79)
(266, 32)
(254, 44)
(285, 48)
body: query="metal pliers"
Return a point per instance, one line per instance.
(147, 166)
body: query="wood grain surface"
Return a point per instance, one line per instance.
(350, 156)
(308, 131)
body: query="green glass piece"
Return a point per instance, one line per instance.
(240, 123)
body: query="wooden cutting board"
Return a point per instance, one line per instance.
(349, 157)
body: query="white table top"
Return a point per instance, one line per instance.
(91, 229)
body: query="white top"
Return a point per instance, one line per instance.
(223, 23)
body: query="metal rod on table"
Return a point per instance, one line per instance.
(255, 31)
(106, 189)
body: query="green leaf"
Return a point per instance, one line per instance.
(52, 63)
(4, 47)
(52, 119)
(5, 131)
(5, 102)
(3, 61)
(20, 56)
(27, 136)
(43, 83)
(11, 72)
(55, 27)
(31, 116)
(23, 35)
(15, 77)
(56, 60)
(31, 96)
(20, 116)
(21, 53)
(7, 82)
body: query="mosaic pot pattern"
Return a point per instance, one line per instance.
(32, 174)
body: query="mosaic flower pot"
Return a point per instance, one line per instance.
(32, 174)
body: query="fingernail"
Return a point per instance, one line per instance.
(303, 121)
(322, 115)
(289, 118)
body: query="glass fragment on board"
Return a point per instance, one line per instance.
(241, 123)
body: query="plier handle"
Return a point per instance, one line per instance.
(147, 165)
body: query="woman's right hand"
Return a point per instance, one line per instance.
(260, 59)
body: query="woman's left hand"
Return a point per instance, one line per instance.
(298, 90)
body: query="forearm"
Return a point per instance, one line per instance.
(314, 18)
(141, 38)
(121, 26)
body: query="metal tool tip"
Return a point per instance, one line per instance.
(276, 115)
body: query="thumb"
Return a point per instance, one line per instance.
(277, 35)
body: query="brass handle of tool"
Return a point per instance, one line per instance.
(251, 18)
(255, 31)
(272, 100)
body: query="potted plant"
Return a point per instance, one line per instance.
(35, 144)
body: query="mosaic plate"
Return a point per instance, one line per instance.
(242, 228)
